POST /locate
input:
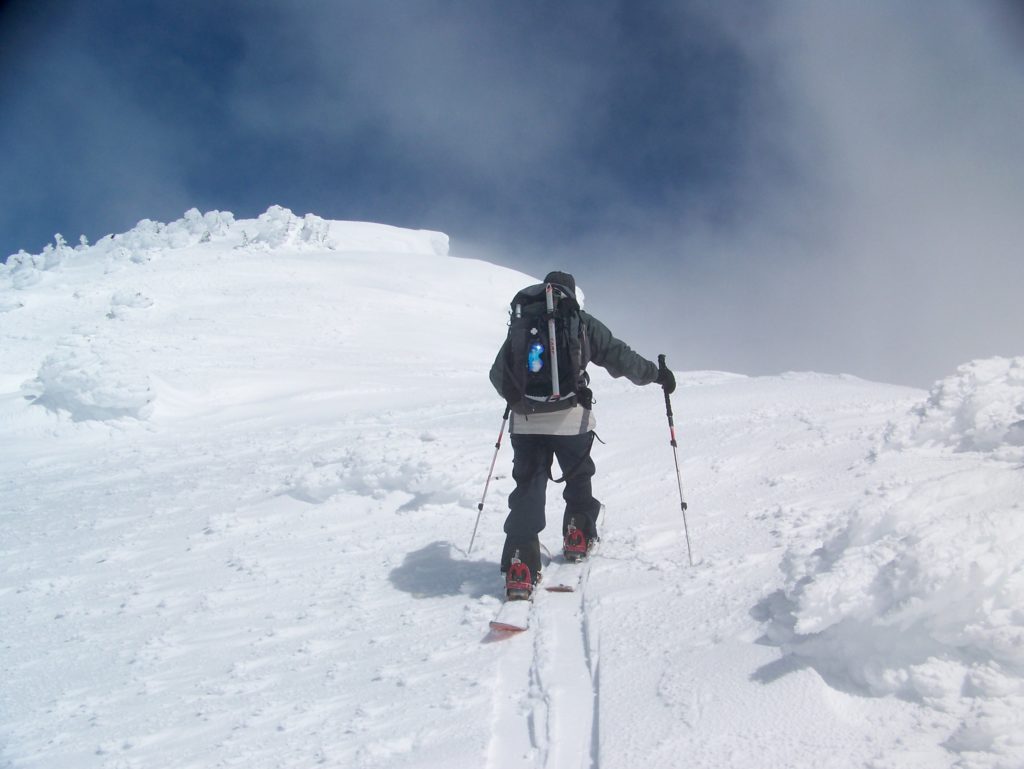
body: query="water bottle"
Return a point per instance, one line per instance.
(534, 360)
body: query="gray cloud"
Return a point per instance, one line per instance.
(444, 86)
(877, 226)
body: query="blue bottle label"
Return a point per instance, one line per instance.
(534, 361)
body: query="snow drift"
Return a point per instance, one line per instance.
(92, 380)
(919, 590)
(980, 408)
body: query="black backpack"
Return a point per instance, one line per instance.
(541, 318)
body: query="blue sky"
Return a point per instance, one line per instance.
(774, 186)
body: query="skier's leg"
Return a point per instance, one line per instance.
(573, 452)
(531, 463)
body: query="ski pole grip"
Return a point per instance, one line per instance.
(668, 402)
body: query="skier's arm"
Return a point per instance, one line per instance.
(616, 356)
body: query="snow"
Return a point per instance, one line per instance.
(980, 408)
(240, 462)
(919, 590)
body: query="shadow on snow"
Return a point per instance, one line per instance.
(432, 572)
(778, 613)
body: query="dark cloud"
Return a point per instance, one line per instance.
(501, 120)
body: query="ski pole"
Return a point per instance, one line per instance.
(675, 455)
(480, 507)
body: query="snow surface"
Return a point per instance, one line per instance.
(239, 467)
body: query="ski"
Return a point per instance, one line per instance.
(561, 575)
(512, 617)
(572, 577)
(514, 614)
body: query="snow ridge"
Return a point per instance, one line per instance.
(277, 229)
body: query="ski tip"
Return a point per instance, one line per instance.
(560, 588)
(506, 627)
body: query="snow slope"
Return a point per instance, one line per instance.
(239, 468)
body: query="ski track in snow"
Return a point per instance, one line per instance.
(549, 681)
(238, 469)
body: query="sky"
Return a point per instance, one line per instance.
(745, 186)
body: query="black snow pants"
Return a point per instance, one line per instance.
(531, 468)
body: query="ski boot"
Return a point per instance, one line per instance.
(519, 582)
(576, 545)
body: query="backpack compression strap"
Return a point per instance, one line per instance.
(575, 468)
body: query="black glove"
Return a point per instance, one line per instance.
(666, 379)
(585, 396)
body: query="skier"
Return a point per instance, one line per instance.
(568, 435)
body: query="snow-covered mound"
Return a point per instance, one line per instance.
(980, 408)
(919, 590)
(92, 380)
(101, 323)
(240, 463)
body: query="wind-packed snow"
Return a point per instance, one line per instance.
(240, 462)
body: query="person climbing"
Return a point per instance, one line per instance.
(540, 371)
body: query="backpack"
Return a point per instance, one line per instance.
(543, 318)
